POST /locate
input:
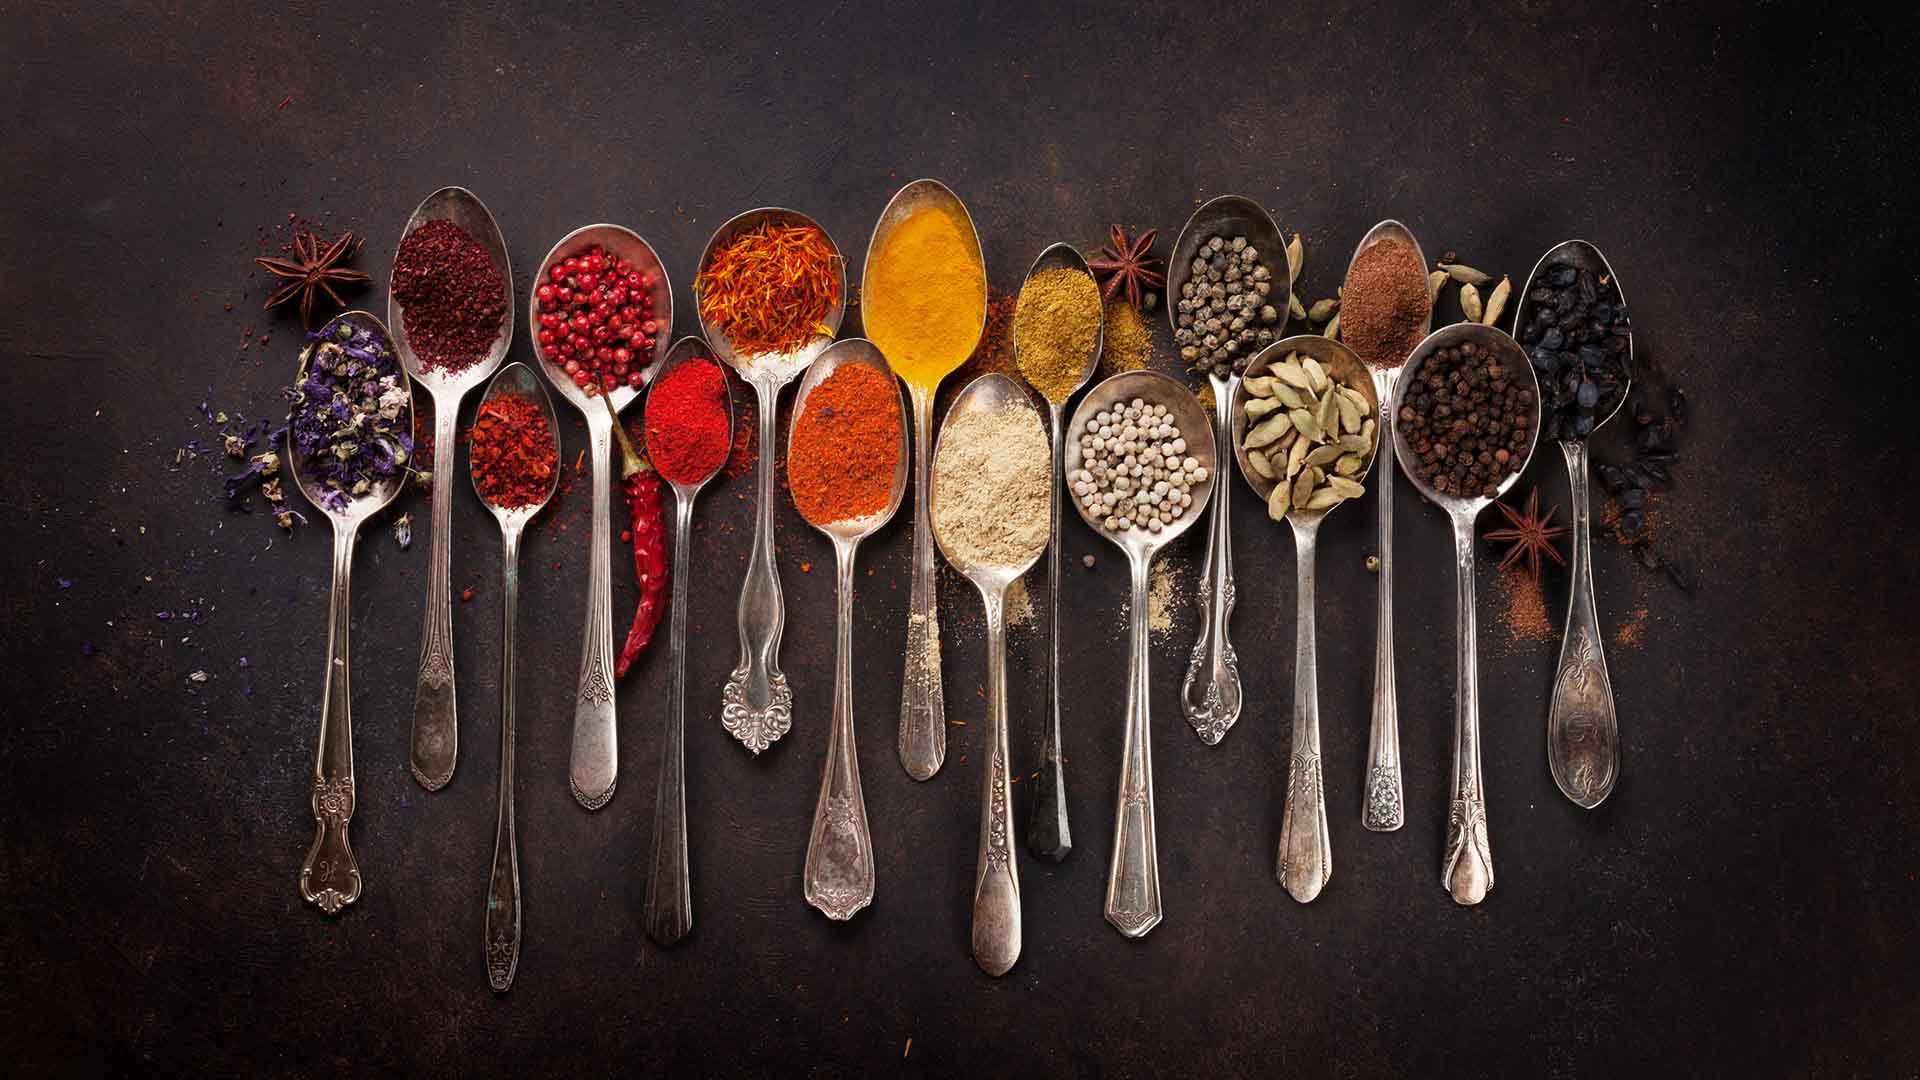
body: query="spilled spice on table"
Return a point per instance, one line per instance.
(1127, 341)
(1523, 607)
(994, 354)
(1019, 605)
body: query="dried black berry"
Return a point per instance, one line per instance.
(1632, 524)
(1633, 498)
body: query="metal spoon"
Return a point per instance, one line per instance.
(757, 703)
(838, 877)
(330, 877)
(669, 910)
(1306, 850)
(435, 720)
(1048, 833)
(1383, 805)
(1583, 732)
(1133, 875)
(1467, 870)
(923, 711)
(996, 877)
(503, 883)
(593, 769)
(1213, 705)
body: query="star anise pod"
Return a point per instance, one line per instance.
(312, 270)
(1530, 536)
(1128, 265)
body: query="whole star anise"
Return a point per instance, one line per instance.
(312, 270)
(1530, 536)
(1128, 265)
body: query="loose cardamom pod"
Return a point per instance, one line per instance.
(1366, 431)
(1296, 255)
(1323, 310)
(1464, 274)
(1324, 499)
(1327, 415)
(1356, 444)
(1289, 397)
(1297, 456)
(1348, 465)
(1260, 385)
(1295, 308)
(1290, 372)
(1268, 430)
(1497, 303)
(1434, 281)
(1259, 463)
(1333, 328)
(1303, 487)
(1305, 424)
(1470, 302)
(1325, 455)
(1316, 373)
(1280, 501)
(1259, 407)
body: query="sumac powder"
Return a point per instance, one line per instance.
(452, 299)
(513, 452)
(1467, 423)
(688, 435)
(1384, 310)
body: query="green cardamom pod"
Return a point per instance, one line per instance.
(1464, 274)
(1333, 328)
(1295, 309)
(1434, 281)
(1323, 310)
(1497, 303)
(1470, 302)
(1296, 254)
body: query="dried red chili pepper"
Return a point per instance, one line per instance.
(642, 485)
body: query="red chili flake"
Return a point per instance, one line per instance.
(466, 594)
(512, 451)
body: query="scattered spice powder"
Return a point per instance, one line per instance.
(994, 354)
(452, 298)
(846, 446)
(1523, 606)
(1628, 635)
(1128, 341)
(686, 423)
(770, 288)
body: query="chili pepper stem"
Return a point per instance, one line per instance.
(632, 461)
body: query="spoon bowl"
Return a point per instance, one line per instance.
(690, 349)
(1513, 362)
(1583, 256)
(1064, 257)
(518, 380)
(365, 505)
(1343, 366)
(1133, 903)
(780, 367)
(619, 241)
(840, 353)
(1210, 695)
(463, 208)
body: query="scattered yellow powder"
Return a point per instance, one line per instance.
(1128, 341)
(1019, 603)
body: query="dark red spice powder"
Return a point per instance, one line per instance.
(452, 299)
(686, 423)
(512, 448)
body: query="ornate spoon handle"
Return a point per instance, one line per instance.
(757, 704)
(330, 878)
(436, 732)
(1583, 732)
(1467, 872)
(996, 879)
(1383, 810)
(1306, 851)
(503, 884)
(1048, 833)
(1133, 877)
(596, 751)
(923, 712)
(1214, 670)
(838, 877)
(669, 910)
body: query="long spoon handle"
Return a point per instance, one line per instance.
(996, 877)
(1306, 851)
(1583, 732)
(1048, 833)
(1210, 694)
(1467, 871)
(1133, 877)
(330, 878)
(757, 704)
(1385, 801)
(669, 910)
(923, 712)
(838, 877)
(435, 719)
(503, 884)
(596, 750)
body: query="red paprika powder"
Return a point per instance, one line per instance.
(846, 444)
(513, 452)
(688, 435)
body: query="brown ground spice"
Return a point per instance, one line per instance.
(1523, 607)
(1383, 313)
(1128, 341)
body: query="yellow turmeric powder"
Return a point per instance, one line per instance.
(925, 297)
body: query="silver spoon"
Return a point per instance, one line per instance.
(1306, 850)
(1210, 694)
(594, 767)
(1133, 876)
(996, 880)
(839, 875)
(1467, 871)
(1383, 806)
(669, 911)
(435, 720)
(330, 878)
(757, 703)
(1583, 731)
(503, 883)
(923, 711)
(1048, 833)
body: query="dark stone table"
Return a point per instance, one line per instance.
(1745, 903)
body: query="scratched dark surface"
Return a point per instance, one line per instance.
(1745, 901)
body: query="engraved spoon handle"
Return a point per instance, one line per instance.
(757, 704)
(1048, 833)
(1133, 876)
(1583, 731)
(596, 752)
(838, 877)
(330, 878)
(1306, 851)
(1467, 871)
(503, 884)
(923, 713)
(996, 879)
(1384, 801)
(1210, 694)
(669, 911)
(435, 719)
